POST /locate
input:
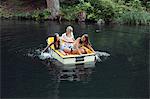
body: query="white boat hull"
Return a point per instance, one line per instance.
(80, 59)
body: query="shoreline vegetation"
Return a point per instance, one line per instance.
(134, 12)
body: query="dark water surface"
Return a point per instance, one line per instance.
(123, 75)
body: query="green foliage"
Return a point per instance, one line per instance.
(135, 17)
(46, 13)
(71, 12)
(88, 8)
(131, 12)
(104, 9)
(40, 14)
(5, 14)
(148, 5)
(83, 6)
(68, 12)
(135, 4)
(119, 11)
(35, 15)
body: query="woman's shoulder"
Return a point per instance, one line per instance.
(64, 34)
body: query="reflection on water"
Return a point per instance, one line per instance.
(60, 73)
(76, 73)
(80, 72)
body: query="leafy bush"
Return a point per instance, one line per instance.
(46, 13)
(83, 6)
(136, 4)
(35, 15)
(41, 14)
(95, 10)
(104, 9)
(119, 11)
(69, 12)
(133, 13)
(148, 5)
(135, 17)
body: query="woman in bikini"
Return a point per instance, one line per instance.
(83, 41)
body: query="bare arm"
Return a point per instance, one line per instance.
(67, 41)
(77, 45)
(89, 46)
(47, 47)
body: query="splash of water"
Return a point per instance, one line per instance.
(33, 52)
(38, 53)
(101, 54)
(45, 55)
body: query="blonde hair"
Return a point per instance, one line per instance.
(69, 29)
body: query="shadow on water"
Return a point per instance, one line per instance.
(124, 75)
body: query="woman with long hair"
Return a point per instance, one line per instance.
(83, 41)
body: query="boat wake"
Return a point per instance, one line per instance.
(45, 55)
(100, 56)
(38, 53)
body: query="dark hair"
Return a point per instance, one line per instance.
(86, 42)
(56, 43)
